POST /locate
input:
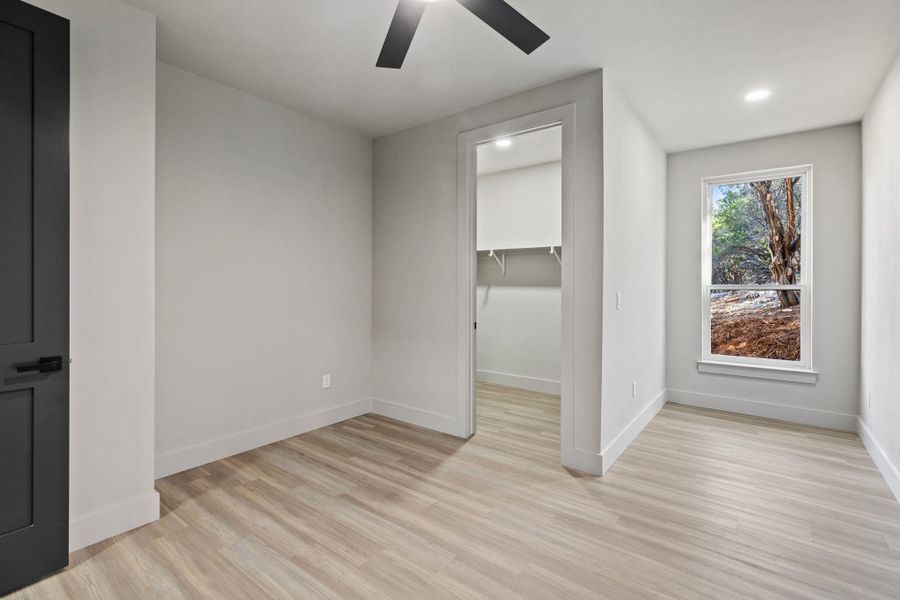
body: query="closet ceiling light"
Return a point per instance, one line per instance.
(504, 143)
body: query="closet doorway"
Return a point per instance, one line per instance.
(516, 194)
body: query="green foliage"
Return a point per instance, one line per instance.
(739, 250)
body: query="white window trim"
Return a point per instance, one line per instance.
(781, 370)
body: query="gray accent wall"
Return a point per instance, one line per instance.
(520, 320)
(634, 217)
(880, 415)
(832, 402)
(415, 292)
(264, 271)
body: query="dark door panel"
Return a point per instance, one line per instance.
(34, 293)
(16, 459)
(16, 139)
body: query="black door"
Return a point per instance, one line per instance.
(34, 294)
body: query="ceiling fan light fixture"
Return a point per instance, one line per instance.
(496, 14)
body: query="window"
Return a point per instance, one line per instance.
(756, 293)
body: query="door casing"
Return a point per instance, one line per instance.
(468, 141)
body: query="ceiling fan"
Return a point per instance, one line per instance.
(497, 14)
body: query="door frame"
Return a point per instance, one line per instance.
(563, 116)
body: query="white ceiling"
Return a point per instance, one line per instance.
(685, 64)
(527, 149)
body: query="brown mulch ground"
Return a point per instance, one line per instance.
(759, 329)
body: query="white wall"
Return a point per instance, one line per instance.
(832, 402)
(520, 320)
(520, 208)
(880, 422)
(264, 272)
(415, 262)
(112, 129)
(634, 264)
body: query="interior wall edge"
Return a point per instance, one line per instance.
(889, 471)
(768, 410)
(209, 451)
(113, 520)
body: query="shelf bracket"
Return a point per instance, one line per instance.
(501, 260)
(555, 253)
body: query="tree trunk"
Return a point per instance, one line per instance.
(782, 246)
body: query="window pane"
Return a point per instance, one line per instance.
(757, 324)
(756, 232)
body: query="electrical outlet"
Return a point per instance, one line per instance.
(868, 399)
(326, 381)
(634, 389)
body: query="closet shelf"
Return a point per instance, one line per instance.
(501, 260)
(499, 254)
(548, 249)
(556, 254)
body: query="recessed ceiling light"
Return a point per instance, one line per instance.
(757, 95)
(504, 143)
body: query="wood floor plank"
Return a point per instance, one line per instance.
(703, 504)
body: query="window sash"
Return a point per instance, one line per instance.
(805, 321)
(804, 287)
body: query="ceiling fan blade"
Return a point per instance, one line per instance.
(508, 22)
(400, 34)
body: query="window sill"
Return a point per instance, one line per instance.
(807, 376)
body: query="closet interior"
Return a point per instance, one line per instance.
(520, 254)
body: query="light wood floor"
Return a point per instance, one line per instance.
(703, 505)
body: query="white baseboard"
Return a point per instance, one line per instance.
(583, 460)
(618, 445)
(769, 410)
(888, 469)
(113, 520)
(212, 450)
(417, 416)
(523, 382)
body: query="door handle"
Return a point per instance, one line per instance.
(45, 364)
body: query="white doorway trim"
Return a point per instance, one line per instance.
(564, 116)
